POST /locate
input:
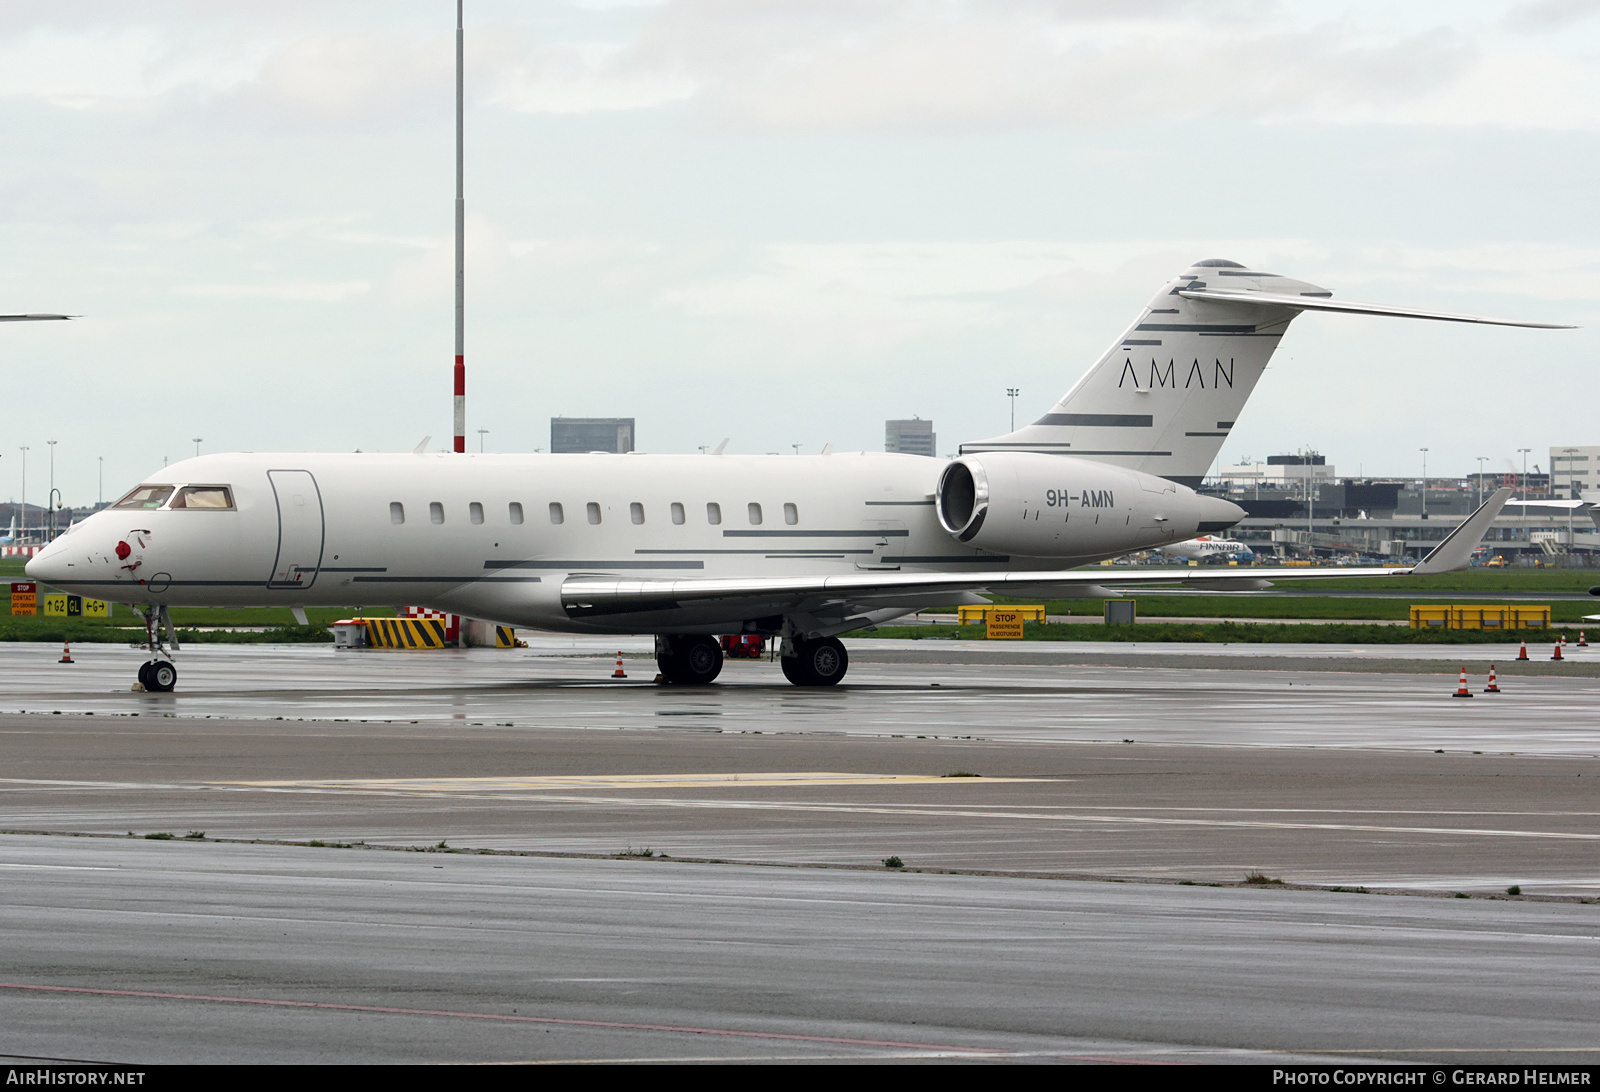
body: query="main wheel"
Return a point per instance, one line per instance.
(691, 661)
(818, 662)
(144, 675)
(161, 676)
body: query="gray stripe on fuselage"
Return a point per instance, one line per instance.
(589, 565)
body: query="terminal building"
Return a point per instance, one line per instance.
(1298, 506)
(578, 435)
(913, 437)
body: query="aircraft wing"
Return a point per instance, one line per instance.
(33, 318)
(845, 593)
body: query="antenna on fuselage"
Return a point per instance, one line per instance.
(461, 257)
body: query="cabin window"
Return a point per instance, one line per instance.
(636, 512)
(594, 512)
(677, 512)
(755, 514)
(515, 512)
(713, 513)
(397, 512)
(146, 496)
(436, 511)
(556, 515)
(204, 496)
(475, 512)
(791, 514)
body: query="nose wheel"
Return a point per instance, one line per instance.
(158, 674)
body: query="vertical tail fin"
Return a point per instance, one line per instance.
(1164, 397)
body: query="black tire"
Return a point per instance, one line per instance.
(819, 662)
(691, 661)
(144, 675)
(161, 676)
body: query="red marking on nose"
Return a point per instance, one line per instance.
(123, 550)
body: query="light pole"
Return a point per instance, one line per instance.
(481, 433)
(100, 486)
(796, 448)
(24, 531)
(196, 447)
(1011, 393)
(50, 533)
(1481, 460)
(1424, 482)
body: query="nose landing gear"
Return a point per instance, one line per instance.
(158, 674)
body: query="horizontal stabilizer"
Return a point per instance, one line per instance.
(1313, 303)
(33, 318)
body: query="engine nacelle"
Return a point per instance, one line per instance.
(1035, 505)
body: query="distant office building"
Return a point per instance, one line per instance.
(913, 437)
(581, 434)
(1572, 470)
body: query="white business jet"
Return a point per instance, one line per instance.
(687, 547)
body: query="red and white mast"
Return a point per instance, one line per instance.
(461, 260)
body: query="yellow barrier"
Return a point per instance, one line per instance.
(1479, 616)
(405, 632)
(968, 615)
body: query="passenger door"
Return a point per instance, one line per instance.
(300, 529)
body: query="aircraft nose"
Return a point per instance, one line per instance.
(47, 566)
(1217, 514)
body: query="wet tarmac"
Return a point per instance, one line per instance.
(1159, 767)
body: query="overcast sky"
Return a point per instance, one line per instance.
(780, 221)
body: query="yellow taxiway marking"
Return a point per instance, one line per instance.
(618, 781)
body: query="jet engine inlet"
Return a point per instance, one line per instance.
(962, 499)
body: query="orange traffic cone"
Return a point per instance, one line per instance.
(1557, 655)
(1462, 691)
(66, 653)
(1493, 687)
(1583, 642)
(619, 673)
(1563, 640)
(1523, 653)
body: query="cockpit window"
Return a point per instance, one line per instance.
(145, 497)
(203, 496)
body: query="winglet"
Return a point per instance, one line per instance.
(1456, 550)
(422, 448)
(720, 448)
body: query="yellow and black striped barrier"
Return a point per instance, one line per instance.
(405, 632)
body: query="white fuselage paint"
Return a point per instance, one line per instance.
(319, 529)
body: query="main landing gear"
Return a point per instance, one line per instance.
(816, 661)
(158, 674)
(688, 660)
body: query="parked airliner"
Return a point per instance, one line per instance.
(686, 547)
(1210, 548)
